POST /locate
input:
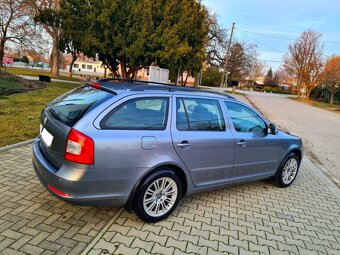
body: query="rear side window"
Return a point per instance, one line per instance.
(138, 114)
(72, 106)
(197, 114)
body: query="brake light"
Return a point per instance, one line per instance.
(95, 85)
(79, 148)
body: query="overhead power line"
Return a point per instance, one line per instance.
(259, 42)
(268, 35)
(281, 37)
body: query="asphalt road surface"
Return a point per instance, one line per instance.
(319, 129)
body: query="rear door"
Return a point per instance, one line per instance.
(202, 139)
(134, 133)
(61, 115)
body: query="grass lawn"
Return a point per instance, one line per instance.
(334, 107)
(19, 113)
(36, 73)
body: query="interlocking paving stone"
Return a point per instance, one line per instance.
(32, 221)
(254, 218)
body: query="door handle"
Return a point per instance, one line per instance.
(242, 143)
(184, 145)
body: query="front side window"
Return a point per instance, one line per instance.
(83, 66)
(244, 119)
(197, 114)
(89, 67)
(138, 114)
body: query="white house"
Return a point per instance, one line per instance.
(93, 68)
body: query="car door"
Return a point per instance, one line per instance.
(134, 133)
(257, 153)
(202, 140)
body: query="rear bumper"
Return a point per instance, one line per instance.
(85, 186)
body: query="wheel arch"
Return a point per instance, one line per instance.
(177, 169)
(298, 153)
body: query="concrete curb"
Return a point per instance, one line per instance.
(319, 173)
(13, 146)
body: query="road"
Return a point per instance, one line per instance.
(34, 78)
(319, 129)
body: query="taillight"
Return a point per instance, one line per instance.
(79, 148)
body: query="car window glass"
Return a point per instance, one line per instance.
(72, 106)
(244, 119)
(138, 114)
(199, 115)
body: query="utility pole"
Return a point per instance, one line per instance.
(226, 57)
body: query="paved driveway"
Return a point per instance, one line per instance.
(255, 218)
(32, 221)
(320, 129)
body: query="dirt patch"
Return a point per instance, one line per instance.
(10, 84)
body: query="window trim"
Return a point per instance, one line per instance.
(182, 98)
(250, 109)
(117, 107)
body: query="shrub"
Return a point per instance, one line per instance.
(9, 86)
(211, 77)
(268, 89)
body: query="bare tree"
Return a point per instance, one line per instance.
(46, 13)
(282, 76)
(216, 42)
(16, 26)
(255, 70)
(304, 61)
(331, 76)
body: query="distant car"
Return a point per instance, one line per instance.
(146, 146)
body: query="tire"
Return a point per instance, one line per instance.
(149, 195)
(287, 171)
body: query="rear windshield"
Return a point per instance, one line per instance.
(72, 106)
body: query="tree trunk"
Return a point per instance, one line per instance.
(186, 78)
(198, 78)
(123, 67)
(298, 87)
(55, 57)
(2, 52)
(308, 94)
(105, 72)
(181, 79)
(74, 58)
(331, 99)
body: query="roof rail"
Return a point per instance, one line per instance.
(147, 85)
(134, 81)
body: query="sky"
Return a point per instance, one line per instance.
(274, 24)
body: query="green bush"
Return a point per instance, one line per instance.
(211, 77)
(268, 89)
(9, 86)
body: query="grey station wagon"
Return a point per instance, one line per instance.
(145, 146)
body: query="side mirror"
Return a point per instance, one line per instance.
(272, 129)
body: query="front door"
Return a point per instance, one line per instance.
(202, 140)
(257, 153)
